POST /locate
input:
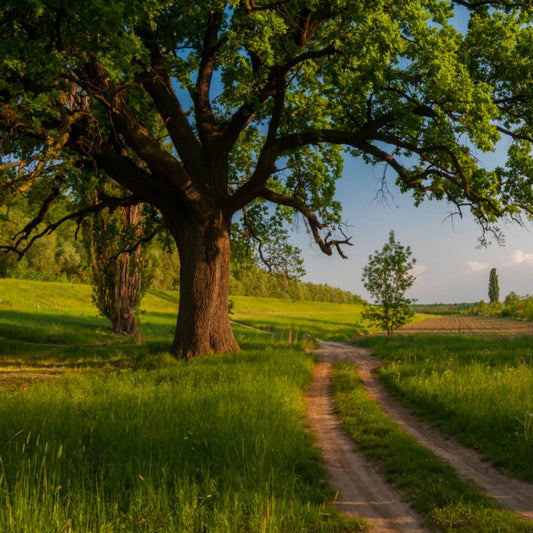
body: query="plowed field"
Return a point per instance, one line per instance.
(470, 325)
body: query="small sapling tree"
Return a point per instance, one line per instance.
(494, 287)
(387, 276)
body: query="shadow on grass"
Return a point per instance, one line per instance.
(43, 339)
(315, 327)
(164, 296)
(52, 327)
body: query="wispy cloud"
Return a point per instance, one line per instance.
(418, 270)
(476, 266)
(518, 257)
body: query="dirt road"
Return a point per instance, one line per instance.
(361, 489)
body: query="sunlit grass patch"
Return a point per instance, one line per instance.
(432, 487)
(479, 390)
(129, 439)
(317, 319)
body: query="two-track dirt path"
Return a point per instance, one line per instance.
(361, 489)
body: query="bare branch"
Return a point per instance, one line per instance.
(108, 203)
(327, 244)
(43, 212)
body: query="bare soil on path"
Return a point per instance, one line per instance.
(361, 488)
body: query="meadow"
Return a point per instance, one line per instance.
(131, 440)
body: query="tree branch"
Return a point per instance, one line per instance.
(327, 244)
(205, 118)
(108, 203)
(165, 168)
(159, 87)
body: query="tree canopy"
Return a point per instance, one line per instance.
(208, 109)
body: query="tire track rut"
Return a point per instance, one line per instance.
(511, 493)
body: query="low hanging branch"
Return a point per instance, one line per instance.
(327, 244)
(20, 249)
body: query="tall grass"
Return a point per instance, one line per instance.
(433, 487)
(214, 445)
(131, 440)
(480, 390)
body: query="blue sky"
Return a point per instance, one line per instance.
(450, 265)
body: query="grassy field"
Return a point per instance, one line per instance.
(478, 389)
(334, 322)
(131, 440)
(317, 319)
(432, 486)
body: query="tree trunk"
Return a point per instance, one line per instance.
(128, 284)
(203, 325)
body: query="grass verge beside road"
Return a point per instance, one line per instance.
(430, 485)
(478, 389)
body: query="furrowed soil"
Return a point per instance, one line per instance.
(361, 489)
(469, 325)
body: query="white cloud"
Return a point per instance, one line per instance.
(418, 270)
(476, 266)
(518, 257)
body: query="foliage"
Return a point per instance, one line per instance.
(120, 267)
(517, 307)
(209, 110)
(513, 306)
(386, 277)
(54, 257)
(475, 388)
(432, 486)
(494, 287)
(443, 309)
(254, 281)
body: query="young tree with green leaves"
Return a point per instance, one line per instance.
(494, 287)
(204, 109)
(386, 277)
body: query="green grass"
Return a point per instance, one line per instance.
(321, 320)
(432, 487)
(131, 440)
(480, 390)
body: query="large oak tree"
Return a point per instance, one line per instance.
(206, 109)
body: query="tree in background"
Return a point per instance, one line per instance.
(204, 109)
(386, 277)
(494, 287)
(54, 257)
(120, 270)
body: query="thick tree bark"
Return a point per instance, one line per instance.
(203, 325)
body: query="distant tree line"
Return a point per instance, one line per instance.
(258, 282)
(63, 256)
(513, 306)
(444, 309)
